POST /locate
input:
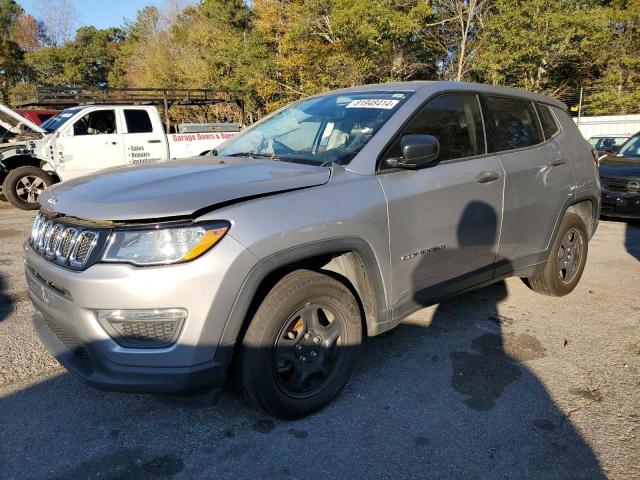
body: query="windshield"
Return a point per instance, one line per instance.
(52, 124)
(328, 129)
(631, 148)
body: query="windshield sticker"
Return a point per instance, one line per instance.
(373, 103)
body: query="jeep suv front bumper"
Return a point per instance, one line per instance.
(66, 302)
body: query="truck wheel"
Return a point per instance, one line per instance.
(23, 186)
(566, 261)
(301, 345)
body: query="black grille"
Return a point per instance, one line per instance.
(73, 343)
(145, 334)
(614, 184)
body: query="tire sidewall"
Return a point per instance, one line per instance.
(260, 339)
(11, 181)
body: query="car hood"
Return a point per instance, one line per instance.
(16, 123)
(177, 188)
(614, 166)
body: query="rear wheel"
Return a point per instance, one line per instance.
(301, 345)
(23, 186)
(567, 259)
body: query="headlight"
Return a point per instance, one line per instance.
(161, 246)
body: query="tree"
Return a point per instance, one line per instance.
(59, 18)
(616, 87)
(542, 46)
(455, 33)
(28, 33)
(10, 53)
(324, 44)
(85, 61)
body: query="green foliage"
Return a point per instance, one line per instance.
(10, 53)
(265, 53)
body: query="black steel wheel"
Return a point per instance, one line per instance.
(307, 350)
(24, 185)
(301, 345)
(569, 256)
(567, 259)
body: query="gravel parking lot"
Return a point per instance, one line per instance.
(498, 383)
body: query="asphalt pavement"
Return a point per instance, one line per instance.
(497, 383)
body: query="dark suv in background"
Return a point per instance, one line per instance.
(620, 177)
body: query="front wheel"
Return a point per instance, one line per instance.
(23, 186)
(567, 259)
(301, 345)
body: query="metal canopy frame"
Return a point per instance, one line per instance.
(64, 97)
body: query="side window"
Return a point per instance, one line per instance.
(515, 123)
(549, 125)
(138, 121)
(98, 122)
(455, 120)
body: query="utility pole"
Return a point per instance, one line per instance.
(579, 107)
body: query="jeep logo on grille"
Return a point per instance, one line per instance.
(633, 186)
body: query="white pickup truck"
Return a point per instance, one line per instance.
(82, 140)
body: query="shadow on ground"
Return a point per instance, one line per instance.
(449, 398)
(632, 238)
(6, 302)
(452, 399)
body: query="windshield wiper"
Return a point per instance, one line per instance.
(270, 156)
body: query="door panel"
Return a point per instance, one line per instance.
(538, 183)
(92, 143)
(443, 226)
(144, 142)
(444, 220)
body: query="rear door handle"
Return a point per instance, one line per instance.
(487, 177)
(557, 163)
(154, 141)
(110, 143)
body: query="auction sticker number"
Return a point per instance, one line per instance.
(373, 103)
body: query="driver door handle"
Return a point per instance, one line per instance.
(154, 141)
(487, 177)
(110, 143)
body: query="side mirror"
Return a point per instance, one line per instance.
(417, 151)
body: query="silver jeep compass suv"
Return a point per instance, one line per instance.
(330, 220)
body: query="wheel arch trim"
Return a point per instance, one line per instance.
(238, 317)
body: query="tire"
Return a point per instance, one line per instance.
(301, 345)
(566, 261)
(23, 186)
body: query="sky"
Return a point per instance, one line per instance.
(99, 13)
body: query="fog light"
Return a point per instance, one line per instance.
(158, 328)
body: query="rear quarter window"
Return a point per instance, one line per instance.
(549, 125)
(514, 123)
